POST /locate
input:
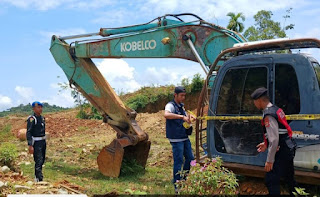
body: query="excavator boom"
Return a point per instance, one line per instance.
(161, 38)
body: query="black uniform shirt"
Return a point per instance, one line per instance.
(35, 127)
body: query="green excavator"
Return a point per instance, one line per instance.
(241, 67)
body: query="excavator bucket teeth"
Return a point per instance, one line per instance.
(110, 157)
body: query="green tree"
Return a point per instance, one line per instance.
(265, 28)
(234, 23)
(197, 83)
(186, 84)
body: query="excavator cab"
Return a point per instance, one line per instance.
(286, 76)
(293, 84)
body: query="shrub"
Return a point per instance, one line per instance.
(138, 101)
(8, 153)
(82, 114)
(94, 114)
(209, 179)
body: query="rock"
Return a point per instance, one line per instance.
(42, 187)
(2, 185)
(69, 146)
(22, 134)
(84, 150)
(20, 187)
(24, 154)
(29, 183)
(5, 169)
(62, 191)
(42, 183)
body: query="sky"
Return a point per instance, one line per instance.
(29, 72)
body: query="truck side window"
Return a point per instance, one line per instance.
(287, 94)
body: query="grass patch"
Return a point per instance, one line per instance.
(5, 133)
(130, 168)
(82, 128)
(8, 154)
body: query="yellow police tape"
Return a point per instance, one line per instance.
(288, 117)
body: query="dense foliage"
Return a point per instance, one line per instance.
(147, 95)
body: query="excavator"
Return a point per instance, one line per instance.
(227, 123)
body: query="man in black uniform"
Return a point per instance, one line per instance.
(277, 138)
(36, 138)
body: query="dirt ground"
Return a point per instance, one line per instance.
(64, 125)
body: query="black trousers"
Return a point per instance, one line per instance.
(282, 168)
(39, 156)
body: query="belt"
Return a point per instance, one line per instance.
(39, 138)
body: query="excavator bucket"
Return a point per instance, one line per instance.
(111, 156)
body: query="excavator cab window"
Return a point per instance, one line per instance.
(287, 94)
(237, 86)
(316, 67)
(239, 137)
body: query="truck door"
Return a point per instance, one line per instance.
(235, 83)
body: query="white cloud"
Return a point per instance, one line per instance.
(123, 77)
(115, 17)
(209, 9)
(170, 73)
(5, 102)
(312, 33)
(44, 5)
(61, 98)
(26, 93)
(92, 4)
(119, 75)
(36, 4)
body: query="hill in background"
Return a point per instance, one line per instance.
(27, 109)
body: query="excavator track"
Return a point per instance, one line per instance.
(312, 178)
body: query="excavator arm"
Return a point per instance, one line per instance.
(161, 38)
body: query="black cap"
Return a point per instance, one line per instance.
(259, 93)
(179, 89)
